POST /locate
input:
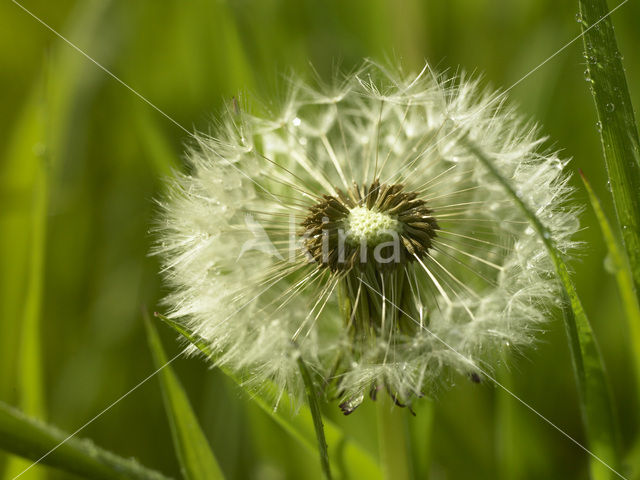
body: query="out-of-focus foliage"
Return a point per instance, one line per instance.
(81, 159)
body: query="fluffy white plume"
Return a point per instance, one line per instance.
(229, 236)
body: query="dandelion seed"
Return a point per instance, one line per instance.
(388, 257)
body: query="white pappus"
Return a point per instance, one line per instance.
(352, 227)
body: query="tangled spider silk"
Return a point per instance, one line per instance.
(354, 229)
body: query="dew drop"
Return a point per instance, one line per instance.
(599, 126)
(579, 18)
(557, 164)
(610, 107)
(609, 265)
(296, 122)
(39, 149)
(587, 78)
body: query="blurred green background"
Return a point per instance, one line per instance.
(82, 159)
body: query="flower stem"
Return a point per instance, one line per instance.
(393, 441)
(420, 431)
(46, 445)
(317, 418)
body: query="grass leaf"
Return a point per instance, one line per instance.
(616, 123)
(31, 439)
(351, 460)
(593, 388)
(196, 458)
(27, 222)
(623, 275)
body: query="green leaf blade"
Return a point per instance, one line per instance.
(28, 227)
(593, 388)
(616, 123)
(196, 458)
(349, 458)
(624, 277)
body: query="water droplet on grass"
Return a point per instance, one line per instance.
(609, 265)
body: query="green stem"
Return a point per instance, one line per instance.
(511, 456)
(316, 414)
(393, 440)
(421, 429)
(47, 445)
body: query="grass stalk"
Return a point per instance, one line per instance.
(46, 445)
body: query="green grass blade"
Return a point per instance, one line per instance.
(316, 415)
(38, 143)
(617, 124)
(349, 458)
(196, 458)
(31, 132)
(25, 170)
(623, 274)
(31, 439)
(593, 389)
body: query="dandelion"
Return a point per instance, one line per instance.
(353, 228)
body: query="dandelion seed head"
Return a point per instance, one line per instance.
(353, 228)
